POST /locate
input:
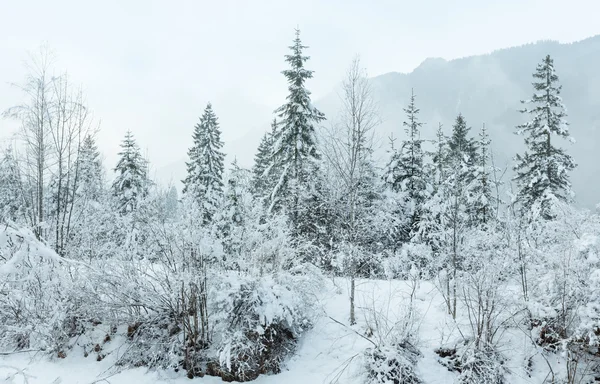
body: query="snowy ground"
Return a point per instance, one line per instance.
(330, 352)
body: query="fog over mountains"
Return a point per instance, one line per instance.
(485, 89)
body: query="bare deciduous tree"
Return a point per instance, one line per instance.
(54, 122)
(348, 149)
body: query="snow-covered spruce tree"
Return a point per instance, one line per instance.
(91, 175)
(204, 180)
(398, 201)
(131, 183)
(462, 148)
(13, 205)
(171, 203)
(91, 217)
(262, 183)
(447, 214)
(233, 213)
(485, 187)
(295, 161)
(411, 174)
(438, 159)
(542, 172)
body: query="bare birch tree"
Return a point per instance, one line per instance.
(54, 122)
(35, 131)
(348, 151)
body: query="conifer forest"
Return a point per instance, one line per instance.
(338, 256)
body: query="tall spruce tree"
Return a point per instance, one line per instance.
(438, 157)
(542, 172)
(406, 169)
(412, 154)
(204, 180)
(12, 193)
(131, 183)
(399, 201)
(391, 172)
(461, 146)
(90, 170)
(295, 159)
(262, 184)
(462, 166)
(484, 200)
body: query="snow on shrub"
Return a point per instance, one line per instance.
(39, 307)
(480, 365)
(392, 364)
(260, 319)
(409, 257)
(476, 363)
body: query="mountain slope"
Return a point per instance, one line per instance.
(488, 89)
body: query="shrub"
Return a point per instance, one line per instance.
(392, 364)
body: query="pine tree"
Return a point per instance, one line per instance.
(397, 199)
(91, 178)
(462, 147)
(262, 184)
(131, 184)
(438, 158)
(12, 195)
(484, 200)
(236, 185)
(392, 170)
(295, 158)
(204, 180)
(171, 203)
(542, 172)
(462, 165)
(412, 155)
(405, 171)
(234, 213)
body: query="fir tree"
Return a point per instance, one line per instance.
(90, 170)
(484, 201)
(462, 147)
(131, 183)
(232, 220)
(392, 171)
(462, 166)
(412, 155)
(235, 183)
(438, 157)
(171, 203)
(204, 180)
(397, 199)
(405, 171)
(295, 158)
(11, 193)
(262, 184)
(542, 172)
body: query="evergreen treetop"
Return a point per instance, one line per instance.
(131, 183)
(542, 172)
(295, 158)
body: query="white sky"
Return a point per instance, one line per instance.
(151, 66)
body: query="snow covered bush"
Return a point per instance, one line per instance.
(392, 364)
(480, 364)
(410, 257)
(393, 330)
(259, 319)
(41, 303)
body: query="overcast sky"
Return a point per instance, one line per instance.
(151, 66)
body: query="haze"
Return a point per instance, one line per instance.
(151, 66)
